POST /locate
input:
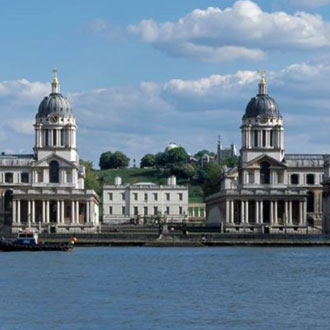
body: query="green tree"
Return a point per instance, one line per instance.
(160, 159)
(113, 160)
(184, 171)
(213, 174)
(91, 179)
(177, 156)
(148, 160)
(201, 153)
(230, 161)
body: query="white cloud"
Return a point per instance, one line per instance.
(241, 31)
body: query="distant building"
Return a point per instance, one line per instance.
(144, 202)
(270, 191)
(171, 145)
(223, 154)
(45, 190)
(326, 196)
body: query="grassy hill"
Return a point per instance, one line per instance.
(134, 175)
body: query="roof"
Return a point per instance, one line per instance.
(262, 105)
(55, 103)
(304, 156)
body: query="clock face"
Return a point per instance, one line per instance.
(53, 119)
(263, 120)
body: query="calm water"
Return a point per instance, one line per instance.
(166, 288)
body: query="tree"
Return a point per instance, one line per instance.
(91, 179)
(230, 161)
(177, 156)
(184, 171)
(213, 174)
(113, 160)
(148, 160)
(201, 153)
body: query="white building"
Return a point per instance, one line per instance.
(144, 202)
(270, 191)
(45, 190)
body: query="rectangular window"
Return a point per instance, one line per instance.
(251, 177)
(271, 138)
(9, 177)
(145, 197)
(136, 210)
(68, 176)
(25, 177)
(123, 196)
(123, 210)
(40, 176)
(135, 196)
(180, 210)
(167, 210)
(167, 196)
(155, 196)
(264, 138)
(255, 138)
(155, 210)
(180, 196)
(146, 210)
(46, 137)
(110, 209)
(110, 195)
(54, 137)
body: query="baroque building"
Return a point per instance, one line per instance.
(144, 202)
(270, 191)
(45, 190)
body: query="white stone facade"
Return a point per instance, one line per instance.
(144, 202)
(270, 191)
(45, 190)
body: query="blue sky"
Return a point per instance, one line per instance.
(141, 74)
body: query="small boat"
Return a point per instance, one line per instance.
(28, 240)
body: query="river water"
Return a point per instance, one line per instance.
(166, 288)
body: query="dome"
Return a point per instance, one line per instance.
(55, 103)
(171, 145)
(262, 104)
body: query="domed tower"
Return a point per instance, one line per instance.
(55, 126)
(262, 127)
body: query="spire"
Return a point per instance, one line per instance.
(262, 83)
(55, 82)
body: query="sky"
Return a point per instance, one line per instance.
(142, 74)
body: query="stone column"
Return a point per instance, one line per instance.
(232, 214)
(271, 212)
(14, 220)
(47, 212)
(58, 212)
(247, 212)
(257, 212)
(242, 212)
(87, 212)
(18, 211)
(286, 213)
(72, 212)
(77, 212)
(43, 212)
(305, 213)
(91, 210)
(290, 212)
(33, 212)
(227, 211)
(261, 215)
(62, 212)
(29, 213)
(275, 213)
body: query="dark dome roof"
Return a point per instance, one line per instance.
(264, 105)
(55, 103)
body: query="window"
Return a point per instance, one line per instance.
(123, 210)
(46, 137)
(62, 137)
(110, 209)
(264, 173)
(264, 138)
(54, 137)
(251, 177)
(123, 196)
(279, 177)
(110, 195)
(68, 176)
(180, 196)
(180, 210)
(25, 177)
(155, 196)
(167, 210)
(310, 179)
(9, 177)
(294, 179)
(271, 138)
(40, 176)
(145, 197)
(67, 211)
(255, 138)
(310, 201)
(54, 172)
(135, 195)
(155, 210)
(136, 210)
(146, 210)
(167, 196)
(8, 200)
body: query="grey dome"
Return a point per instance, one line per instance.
(263, 105)
(55, 103)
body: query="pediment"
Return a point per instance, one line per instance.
(274, 163)
(44, 162)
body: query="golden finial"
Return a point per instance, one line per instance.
(55, 78)
(262, 74)
(262, 82)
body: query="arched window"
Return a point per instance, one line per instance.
(54, 172)
(310, 179)
(310, 201)
(264, 173)
(294, 179)
(8, 200)
(9, 177)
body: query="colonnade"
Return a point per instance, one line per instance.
(45, 211)
(259, 212)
